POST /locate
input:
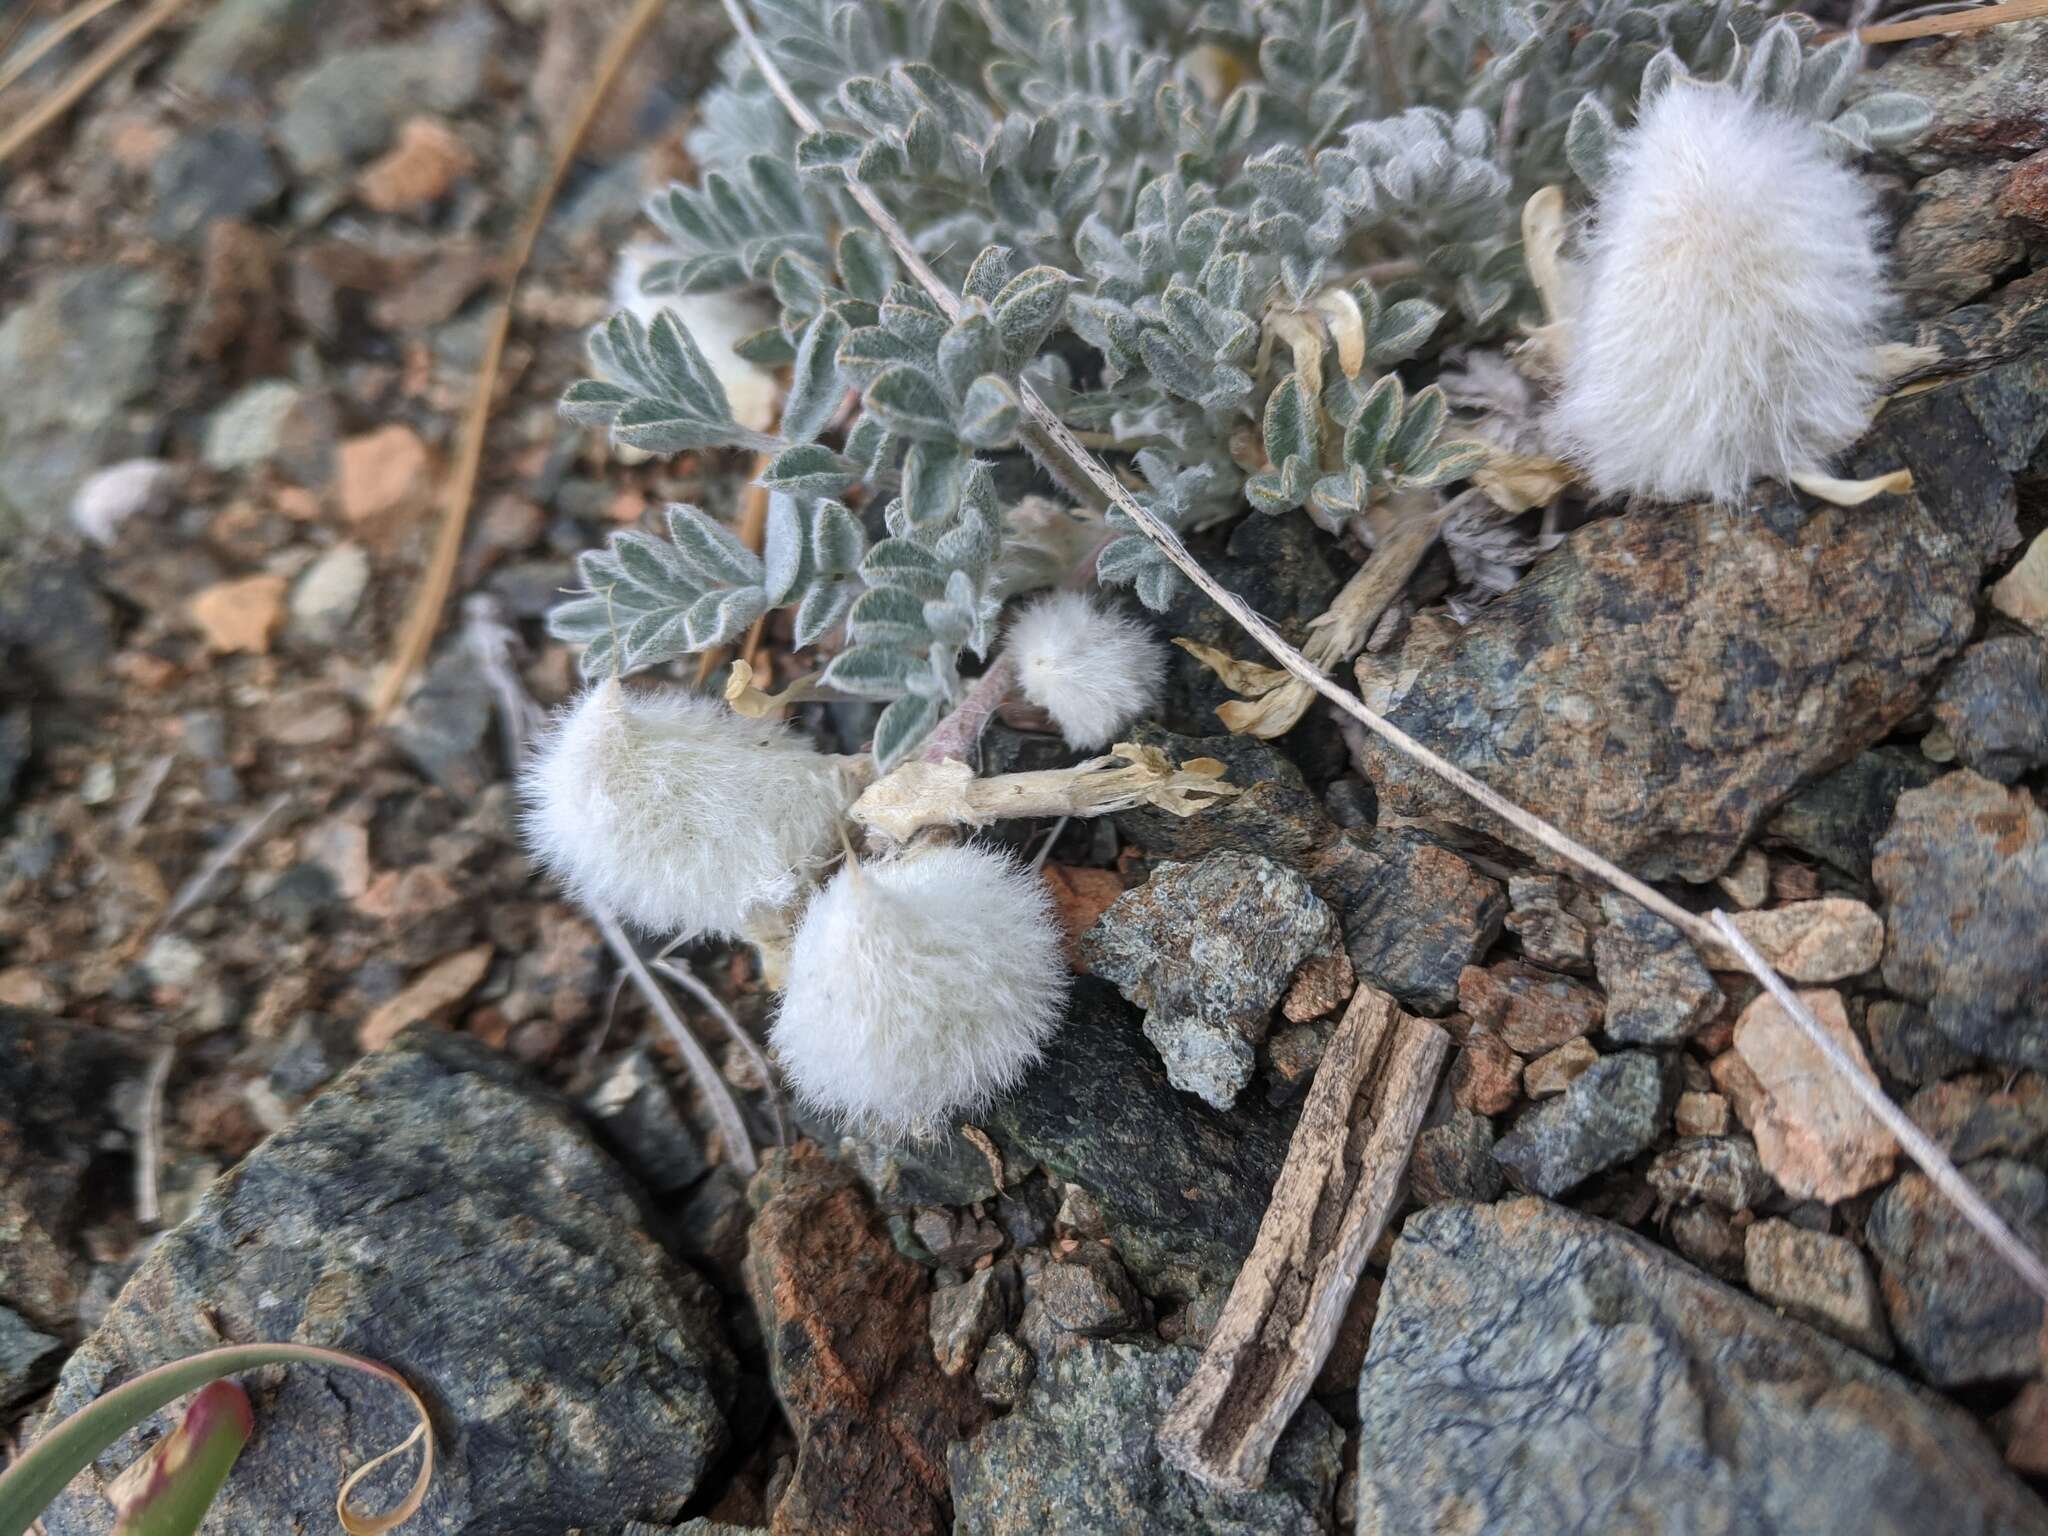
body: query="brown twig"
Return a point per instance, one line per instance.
(44, 41)
(149, 1150)
(1071, 464)
(1978, 20)
(1335, 1193)
(200, 885)
(416, 636)
(100, 63)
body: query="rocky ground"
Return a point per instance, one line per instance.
(288, 975)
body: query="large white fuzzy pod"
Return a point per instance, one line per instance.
(920, 988)
(716, 322)
(1094, 670)
(1729, 305)
(676, 813)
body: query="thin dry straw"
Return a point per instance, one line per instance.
(97, 66)
(1053, 438)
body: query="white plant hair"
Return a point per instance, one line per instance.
(1729, 306)
(1089, 666)
(675, 813)
(717, 322)
(920, 988)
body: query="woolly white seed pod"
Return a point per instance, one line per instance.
(676, 813)
(1730, 304)
(1087, 665)
(716, 322)
(920, 988)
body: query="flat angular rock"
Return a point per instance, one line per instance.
(1828, 939)
(1089, 1293)
(846, 1321)
(1964, 870)
(1453, 1159)
(1994, 705)
(1959, 1312)
(1661, 682)
(1535, 1369)
(964, 1315)
(1274, 813)
(1988, 89)
(1813, 1133)
(1208, 950)
(28, 1359)
(1658, 991)
(1079, 1457)
(1532, 1010)
(1984, 1114)
(1819, 1278)
(1414, 913)
(438, 1211)
(1838, 817)
(1723, 1171)
(1609, 1114)
(1906, 1045)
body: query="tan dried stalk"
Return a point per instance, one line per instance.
(919, 795)
(1070, 463)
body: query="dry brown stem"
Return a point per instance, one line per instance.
(914, 796)
(100, 63)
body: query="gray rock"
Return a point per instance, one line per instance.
(1414, 913)
(1958, 1310)
(1535, 1369)
(1708, 1238)
(347, 107)
(1723, 1171)
(84, 346)
(1090, 1294)
(1953, 243)
(1819, 1278)
(1453, 1159)
(1658, 989)
(1989, 92)
(445, 724)
(16, 741)
(1611, 1112)
(1994, 703)
(946, 1170)
(245, 431)
(955, 1239)
(1838, 817)
(964, 1315)
(1182, 1186)
(1005, 1371)
(438, 1211)
(1208, 950)
(219, 172)
(325, 597)
(1998, 1113)
(1908, 1047)
(637, 1117)
(1964, 870)
(53, 616)
(1274, 813)
(28, 1359)
(237, 40)
(1080, 1456)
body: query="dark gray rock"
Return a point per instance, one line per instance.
(1953, 243)
(1611, 1112)
(1183, 1186)
(446, 723)
(80, 349)
(1661, 682)
(347, 107)
(1080, 1456)
(1658, 989)
(237, 41)
(1998, 1113)
(1959, 1312)
(1274, 813)
(1089, 1293)
(28, 1359)
(1988, 89)
(637, 1117)
(963, 1316)
(1208, 950)
(1535, 1369)
(437, 1211)
(58, 625)
(1005, 1371)
(1838, 817)
(1453, 1159)
(946, 1170)
(1722, 1171)
(1414, 913)
(219, 172)
(16, 740)
(1994, 703)
(1964, 870)
(955, 1239)
(1908, 1047)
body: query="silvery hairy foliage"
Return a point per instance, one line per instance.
(1205, 232)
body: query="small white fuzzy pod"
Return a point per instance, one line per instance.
(716, 322)
(1094, 670)
(1728, 308)
(676, 813)
(920, 988)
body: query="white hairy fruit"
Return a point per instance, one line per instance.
(716, 322)
(920, 988)
(1728, 307)
(677, 814)
(1092, 669)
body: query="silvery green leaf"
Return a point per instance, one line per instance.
(988, 274)
(908, 403)
(917, 323)
(1372, 430)
(1134, 561)
(581, 620)
(1825, 76)
(1420, 422)
(1291, 426)
(932, 474)
(658, 567)
(948, 623)
(881, 161)
(1503, 23)
(888, 615)
(1444, 463)
(1343, 494)
(1402, 330)
(1589, 140)
(1027, 307)
(1893, 118)
(869, 446)
(837, 540)
(1484, 300)
(865, 266)
(829, 155)
(681, 369)
(904, 724)
(768, 346)
(719, 618)
(989, 414)
(664, 428)
(810, 470)
(815, 390)
(900, 563)
(785, 548)
(867, 353)
(657, 637)
(1772, 74)
(971, 349)
(1662, 72)
(871, 671)
(799, 287)
(709, 550)
(821, 610)
(594, 403)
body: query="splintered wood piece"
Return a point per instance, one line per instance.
(1335, 1192)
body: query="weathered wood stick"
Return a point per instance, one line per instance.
(1332, 1199)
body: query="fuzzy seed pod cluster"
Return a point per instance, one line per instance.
(1088, 666)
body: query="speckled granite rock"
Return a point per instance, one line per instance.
(1609, 1114)
(1994, 705)
(1078, 1457)
(436, 1210)
(1535, 1369)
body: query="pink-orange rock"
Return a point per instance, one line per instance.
(427, 160)
(242, 615)
(1812, 1132)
